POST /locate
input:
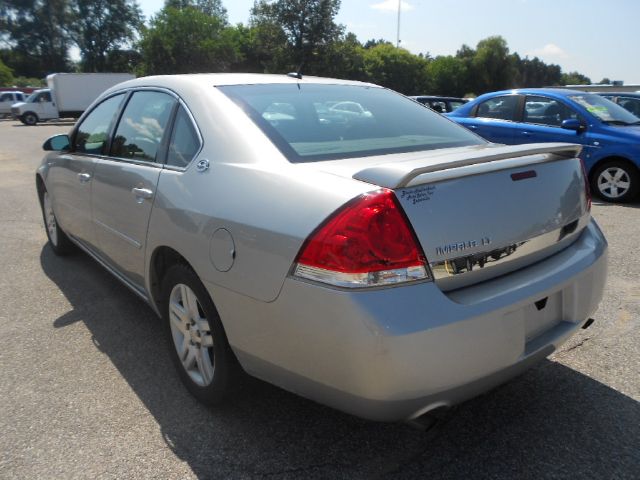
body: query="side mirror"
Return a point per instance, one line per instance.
(573, 124)
(56, 143)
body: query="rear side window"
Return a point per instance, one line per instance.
(503, 108)
(142, 126)
(184, 142)
(6, 97)
(314, 122)
(92, 133)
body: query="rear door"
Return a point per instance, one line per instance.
(496, 119)
(125, 184)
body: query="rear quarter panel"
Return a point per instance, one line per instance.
(268, 205)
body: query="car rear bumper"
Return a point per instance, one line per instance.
(395, 353)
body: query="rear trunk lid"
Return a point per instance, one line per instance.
(482, 212)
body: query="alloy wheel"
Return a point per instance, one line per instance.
(50, 220)
(191, 335)
(613, 182)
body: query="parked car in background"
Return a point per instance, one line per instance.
(629, 101)
(7, 99)
(440, 104)
(357, 261)
(609, 134)
(68, 95)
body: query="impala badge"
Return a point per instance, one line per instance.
(460, 247)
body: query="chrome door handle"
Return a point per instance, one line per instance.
(526, 134)
(142, 193)
(472, 127)
(84, 177)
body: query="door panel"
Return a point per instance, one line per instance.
(496, 119)
(543, 117)
(69, 183)
(124, 186)
(122, 199)
(70, 176)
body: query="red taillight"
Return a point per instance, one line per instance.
(368, 242)
(587, 189)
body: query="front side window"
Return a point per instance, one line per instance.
(314, 122)
(91, 135)
(455, 104)
(44, 97)
(142, 126)
(184, 143)
(502, 108)
(547, 111)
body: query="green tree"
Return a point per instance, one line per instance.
(101, 28)
(209, 7)
(447, 75)
(308, 26)
(37, 33)
(6, 75)
(343, 58)
(395, 68)
(574, 78)
(535, 73)
(492, 65)
(187, 41)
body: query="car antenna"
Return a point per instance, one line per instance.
(298, 73)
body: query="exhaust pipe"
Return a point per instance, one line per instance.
(588, 323)
(428, 419)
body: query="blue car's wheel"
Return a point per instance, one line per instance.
(615, 181)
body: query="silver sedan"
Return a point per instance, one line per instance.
(386, 264)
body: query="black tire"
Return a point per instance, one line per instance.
(30, 118)
(218, 353)
(626, 174)
(58, 239)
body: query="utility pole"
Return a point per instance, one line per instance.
(398, 35)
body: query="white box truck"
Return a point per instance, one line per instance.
(68, 95)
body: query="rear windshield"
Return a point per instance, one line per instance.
(311, 122)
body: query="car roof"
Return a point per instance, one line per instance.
(561, 92)
(435, 97)
(223, 79)
(621, 94)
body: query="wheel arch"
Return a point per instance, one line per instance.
(40, 186)
(162, 258)
(612, 158)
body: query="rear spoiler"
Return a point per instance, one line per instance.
(448, 165)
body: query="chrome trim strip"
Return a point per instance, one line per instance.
(121, 235)
(461, 271)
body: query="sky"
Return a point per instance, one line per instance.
(598, 39)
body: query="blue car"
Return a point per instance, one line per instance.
(610, 135)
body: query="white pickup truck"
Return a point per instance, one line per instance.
(68, 95)
(8, 98)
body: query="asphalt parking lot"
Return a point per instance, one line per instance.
(87, 389)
